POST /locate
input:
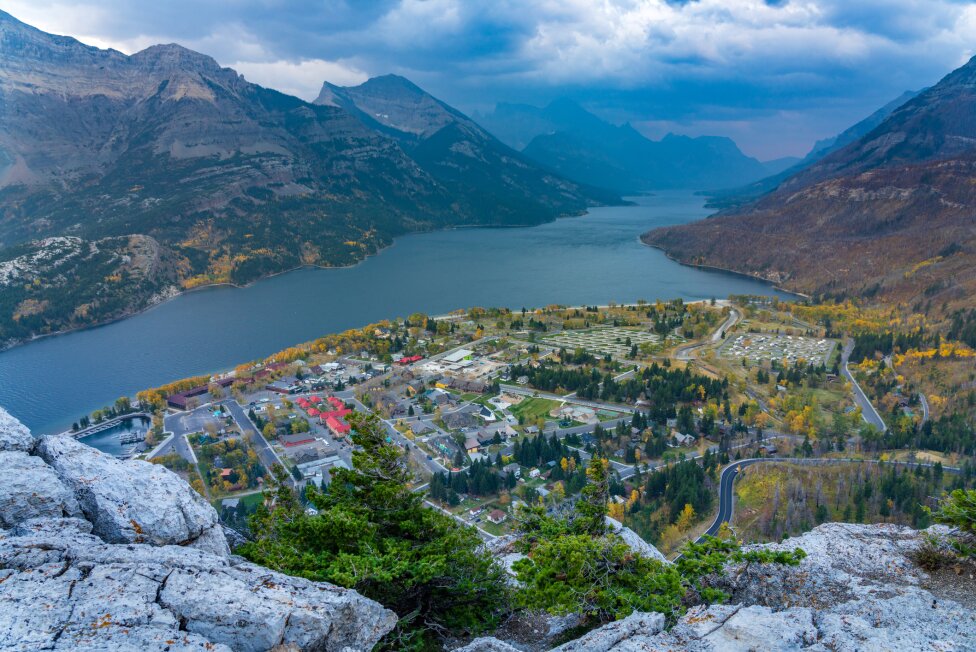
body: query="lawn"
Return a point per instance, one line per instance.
(534, 408)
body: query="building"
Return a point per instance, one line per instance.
(512, 469)
(457, 356)
(298, 440)
(496, 516)
(337, 427)
(471, 444)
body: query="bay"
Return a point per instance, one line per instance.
(591, 259)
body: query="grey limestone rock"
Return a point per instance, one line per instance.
(98, 554)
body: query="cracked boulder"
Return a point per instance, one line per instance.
(98, 554)
(133, 501)
(63, 589)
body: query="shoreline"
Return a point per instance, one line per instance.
(9, 346)
(716, 268)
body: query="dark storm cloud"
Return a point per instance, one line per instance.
(774, 74)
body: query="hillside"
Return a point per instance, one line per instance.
(734, 197)
(889, 215)
(232, 181)
(568, 139)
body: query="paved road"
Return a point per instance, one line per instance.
(269, 458)
(596, 405)
(688, 352)
(431, 466)
(925, 407)
(726, 494)
(868, 412)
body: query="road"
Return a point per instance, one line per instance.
(185, 423)
(925, 407)
(687, 352)
(596, 405)
(726, 493)
(868, 412)
(430, 465)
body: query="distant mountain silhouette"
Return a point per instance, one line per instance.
(566, 138)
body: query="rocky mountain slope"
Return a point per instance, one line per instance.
(232, 180)
(568, 139)
(481, 172)
(738, 196)
(98, 554)
(891, 214)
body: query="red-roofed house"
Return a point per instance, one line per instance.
(336, 403)
(312, 412)
(314, 399)
(337, 427)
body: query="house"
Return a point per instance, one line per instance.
(512, 469)
(226, 473)
(337, 427)
(336, 403)
(471, 444)
(420, 427)
(496, 516)
(463, 417)
(767, 450)
(682, 439)
(284, 386)
(487, 414)
(534, 473)
(298, 440)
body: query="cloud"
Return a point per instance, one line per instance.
(691, 62)
(303, 78)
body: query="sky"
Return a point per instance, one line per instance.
(774, 75)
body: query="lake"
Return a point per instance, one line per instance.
(592, 259)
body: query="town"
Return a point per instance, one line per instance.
(494, 409)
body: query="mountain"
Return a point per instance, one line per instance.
(483, 175)
(742, 195)
(890, 214)
(566, 138)
(224, 180)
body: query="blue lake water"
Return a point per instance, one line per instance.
(109, 442)
(593, 259)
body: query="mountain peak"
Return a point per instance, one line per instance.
(174, 55)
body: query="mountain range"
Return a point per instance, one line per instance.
(568, 139)
(219, 179)
(889, 215)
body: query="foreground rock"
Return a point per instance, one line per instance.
(857, 590)
(97, 554)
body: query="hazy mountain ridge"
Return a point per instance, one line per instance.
(888, 214)
(733, 197)
(234, 181)
(566, 138)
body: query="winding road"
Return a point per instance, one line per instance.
(726, 493)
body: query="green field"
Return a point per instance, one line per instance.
(534, 408)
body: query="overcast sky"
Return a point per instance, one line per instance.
(775, 75)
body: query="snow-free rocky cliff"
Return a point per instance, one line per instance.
(99, 554)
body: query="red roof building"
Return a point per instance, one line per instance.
(312, 412)
(336, 426)
(314, 399)
(336, 403)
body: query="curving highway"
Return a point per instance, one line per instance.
(726, 493)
